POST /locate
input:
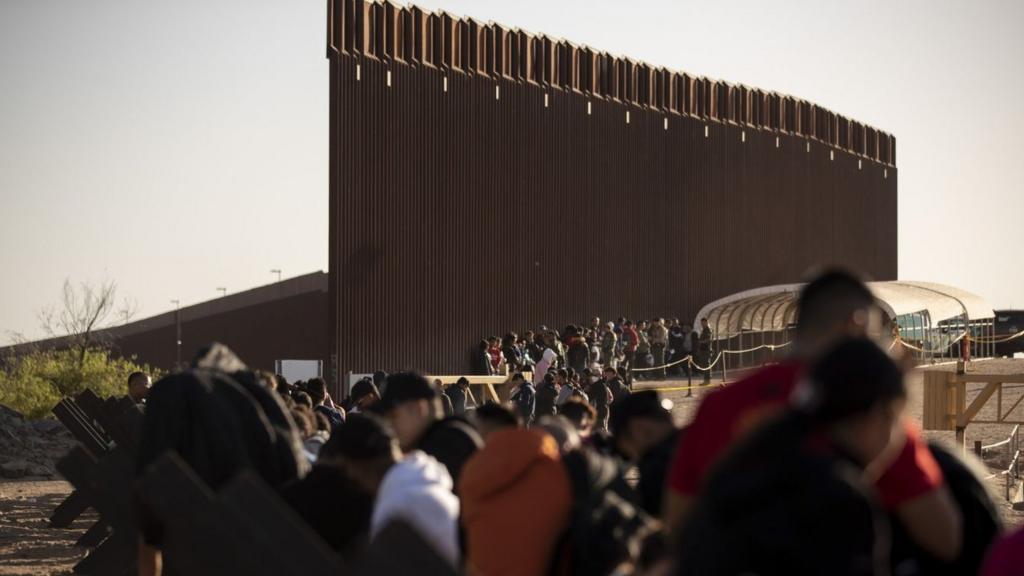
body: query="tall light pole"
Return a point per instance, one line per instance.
(177, 329)
(223, 291)
(278, 272)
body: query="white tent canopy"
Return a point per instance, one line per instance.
(773, 308)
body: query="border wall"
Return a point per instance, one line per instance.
(484, 180)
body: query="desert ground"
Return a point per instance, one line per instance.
(29, 546)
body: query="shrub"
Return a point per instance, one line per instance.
(33, 383)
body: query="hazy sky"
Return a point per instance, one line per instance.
(175, 147)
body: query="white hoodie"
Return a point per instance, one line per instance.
(418, 490)
(543, 366)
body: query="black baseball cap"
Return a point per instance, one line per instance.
(404, 387)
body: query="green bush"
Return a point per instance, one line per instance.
(33, 383)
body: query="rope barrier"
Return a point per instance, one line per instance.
(693, 364)
(997, 339)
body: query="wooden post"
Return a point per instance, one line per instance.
(977, 448)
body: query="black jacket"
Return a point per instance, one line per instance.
(653, 468)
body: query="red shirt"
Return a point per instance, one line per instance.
(727, 414)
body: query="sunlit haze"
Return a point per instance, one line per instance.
(177, 147)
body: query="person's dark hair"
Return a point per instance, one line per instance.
(379, 377)
(497, 415)
(609, 368)
(483, 345)
(136, 376)
(563, 373)
(361, 437)
(317, 389)
(549, 379)
(829, 299)
(302, 399)
(855, 376)
(575, 409)
(645, 404)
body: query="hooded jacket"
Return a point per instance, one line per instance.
(516, 501)
(544, 365)
(418, 491)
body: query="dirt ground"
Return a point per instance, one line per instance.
(29, 546)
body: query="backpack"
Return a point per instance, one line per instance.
(577, 354)
(524, 399)
(606, 526)
(981, 520)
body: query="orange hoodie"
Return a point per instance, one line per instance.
(516, 500)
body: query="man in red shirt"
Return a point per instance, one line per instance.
(834, 306)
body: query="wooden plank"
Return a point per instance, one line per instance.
(94, 535)
(83, 432)
(979, 401)
(938, 404)
(196, 539)
(273, 526)
(67, 511)
(491, 392)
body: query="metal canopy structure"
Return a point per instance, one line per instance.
(931, 317)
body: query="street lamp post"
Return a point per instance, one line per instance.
(223, 291)
(177, 329)
(278, 272)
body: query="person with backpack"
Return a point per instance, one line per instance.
(524, 399)
(516, 503)
(833, 306)
(644, 432)
(545, 400)
(804, 476)
(607, 532)
(577, 352)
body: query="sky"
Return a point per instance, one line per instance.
(177, 147)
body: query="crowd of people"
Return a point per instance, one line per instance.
(807, 466)
(652, 349)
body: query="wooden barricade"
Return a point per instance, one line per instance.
(484, 388)
(247, 529)
(101, 469)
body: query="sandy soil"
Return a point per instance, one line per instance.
(27, 543)
(29, 546)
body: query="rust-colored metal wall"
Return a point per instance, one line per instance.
(486, 180)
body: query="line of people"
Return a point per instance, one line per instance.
(645, 346)
(808, 466)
